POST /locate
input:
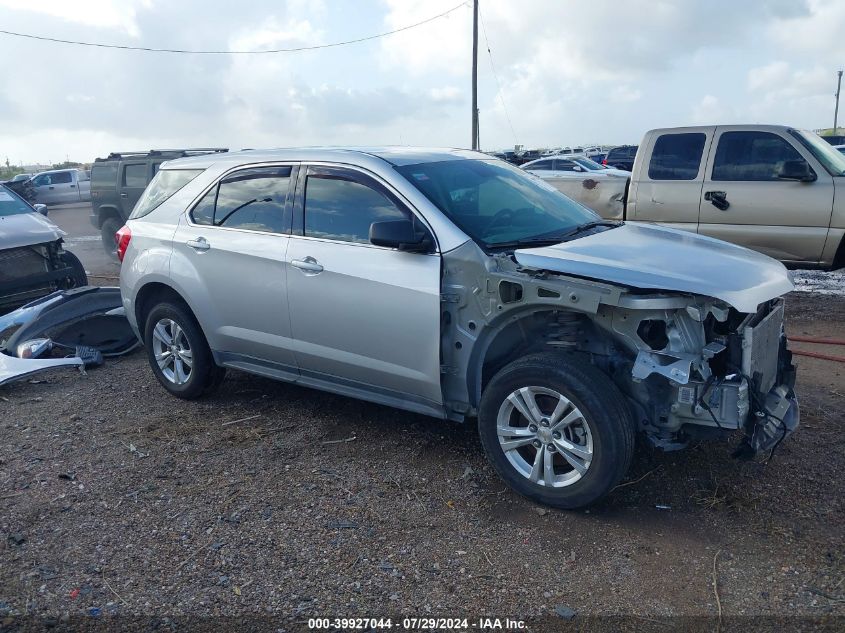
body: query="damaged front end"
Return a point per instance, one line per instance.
(705, 367)
(690, 365)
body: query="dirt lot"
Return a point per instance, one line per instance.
(273, 500)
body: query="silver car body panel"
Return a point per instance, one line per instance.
(25, 229)
(423, 331)
(655, 257)
(13, 368)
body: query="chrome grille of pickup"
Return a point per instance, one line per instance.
(20, 263)
(761, 347)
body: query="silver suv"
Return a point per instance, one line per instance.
(451, 284)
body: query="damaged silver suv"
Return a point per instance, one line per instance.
(447, 283)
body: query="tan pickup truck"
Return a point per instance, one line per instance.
(771, 188)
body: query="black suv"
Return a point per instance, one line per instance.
(621, 157)
(118, 180)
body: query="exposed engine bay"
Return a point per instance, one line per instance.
(689, 365)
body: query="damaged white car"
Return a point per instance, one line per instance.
(453, 285)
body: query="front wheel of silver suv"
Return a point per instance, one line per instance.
(556, 429)
(178, 352)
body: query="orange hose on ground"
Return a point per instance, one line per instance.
(810, 339)
(836, 359)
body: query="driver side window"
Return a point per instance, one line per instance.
(340, 209)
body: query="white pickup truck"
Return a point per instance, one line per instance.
(771, 188)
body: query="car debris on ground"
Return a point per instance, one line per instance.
(83, 325)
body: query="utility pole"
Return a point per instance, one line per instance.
(475, 74)
(836, 111)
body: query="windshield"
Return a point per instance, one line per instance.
(495, 203)
(12, 204)
(586, 163)
(833, 161)
(163, 185)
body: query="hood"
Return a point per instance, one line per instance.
(648, 256)
(25, 229)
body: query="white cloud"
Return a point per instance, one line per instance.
(711, 111)
(441, 46)
(106, 14)
(272, 35)
(570, 72)
(626, 94)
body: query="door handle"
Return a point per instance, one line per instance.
(51, 187)
(72, 186)
(308, 265)
(124, 195)
(718, 199)
(199, 244)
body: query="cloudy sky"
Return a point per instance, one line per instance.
(570, 72)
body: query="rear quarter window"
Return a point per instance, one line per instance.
(163, 186)
(676, 156)
(103, 175)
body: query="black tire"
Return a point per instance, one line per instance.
(77, 277)
(110, 226)
(204, 375)
(605, 412)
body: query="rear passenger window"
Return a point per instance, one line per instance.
(751, 156)
(343, 210)
(676, 156)
(103, 175)
(543, 165)
(61, 178)
(251, 199)
(135, 176)
(565, 165)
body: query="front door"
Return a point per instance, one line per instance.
(787, 220)
(362, 316)
(55, 188)
(230, 248)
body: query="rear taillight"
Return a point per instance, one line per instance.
(122, 238)
(604, 161)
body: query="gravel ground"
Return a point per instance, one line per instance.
(273, 500)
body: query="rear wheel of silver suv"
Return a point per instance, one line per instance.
(178, 352)
(556, 429)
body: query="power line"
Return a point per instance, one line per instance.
(220, 52)
(496, 76)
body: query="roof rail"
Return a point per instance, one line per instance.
(172, 153)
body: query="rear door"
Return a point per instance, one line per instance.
(667, 188)
(787, 220)
(231, 247)
(134, 177)
(364, 317)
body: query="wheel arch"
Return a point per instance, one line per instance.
(839, 257)
(495, 346)
(154, 292)
(107, 211)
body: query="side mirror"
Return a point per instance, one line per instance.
(399, 234)
(41, 208)
(577, 168)
(798, 170)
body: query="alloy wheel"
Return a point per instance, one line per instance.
(544, 436)
(172, 351)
